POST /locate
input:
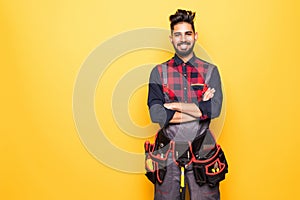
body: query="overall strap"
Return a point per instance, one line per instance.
(208, 73)
(165, 81)
(164, 74)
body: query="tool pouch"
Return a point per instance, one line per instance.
(182, 153)
(212, 168)
(156, 156)
(149, 164)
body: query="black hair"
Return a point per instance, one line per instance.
(182, 16)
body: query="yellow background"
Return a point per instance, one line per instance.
(43, 44)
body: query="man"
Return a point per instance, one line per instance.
(183, 107)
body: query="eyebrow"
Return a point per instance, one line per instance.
(186, 32)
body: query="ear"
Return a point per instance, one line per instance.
(171, 39)
(196, 36)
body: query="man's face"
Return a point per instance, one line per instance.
(183, 39)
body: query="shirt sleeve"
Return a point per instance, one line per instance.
(158, 113)
(212, 108)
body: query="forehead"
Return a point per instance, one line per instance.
(183, 27)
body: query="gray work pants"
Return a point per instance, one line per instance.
(169, 189)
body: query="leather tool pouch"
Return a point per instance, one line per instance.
(182, 153)
(156, 156)
(212, 168)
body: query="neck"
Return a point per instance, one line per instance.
(186, 58)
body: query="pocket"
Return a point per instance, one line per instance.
(156, 156)
(150, 169)
(182, 153)
(211, 170)
(199, 86)
(199, 173)
(155, 171)
(151, 176)
(161, 172)
(215, 172)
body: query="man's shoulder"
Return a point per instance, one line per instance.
(167, 63)
(203, 62)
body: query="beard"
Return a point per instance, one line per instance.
(184, 52)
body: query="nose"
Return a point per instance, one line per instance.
(182, 38)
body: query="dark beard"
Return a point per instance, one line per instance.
(184, 53)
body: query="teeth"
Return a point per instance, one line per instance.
(183, 46)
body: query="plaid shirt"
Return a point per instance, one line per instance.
(185, 81)
(184, 84)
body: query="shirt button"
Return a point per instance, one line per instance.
(184, 88)
(184, 74)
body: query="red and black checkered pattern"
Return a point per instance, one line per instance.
(186, 83)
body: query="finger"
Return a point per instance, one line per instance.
(170, 106)
(208, 92)
(206, 96)
(167, 105)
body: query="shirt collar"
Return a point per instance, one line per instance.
(191, 62)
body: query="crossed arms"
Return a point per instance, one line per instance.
(177, 112)
(188, 111)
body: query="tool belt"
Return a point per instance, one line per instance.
(208, 161)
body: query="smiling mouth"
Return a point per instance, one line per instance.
(184, 43)
(183, 46)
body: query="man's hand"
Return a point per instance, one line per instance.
(174, 106)
(180, 117)
(187, 108)
(209, 94)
